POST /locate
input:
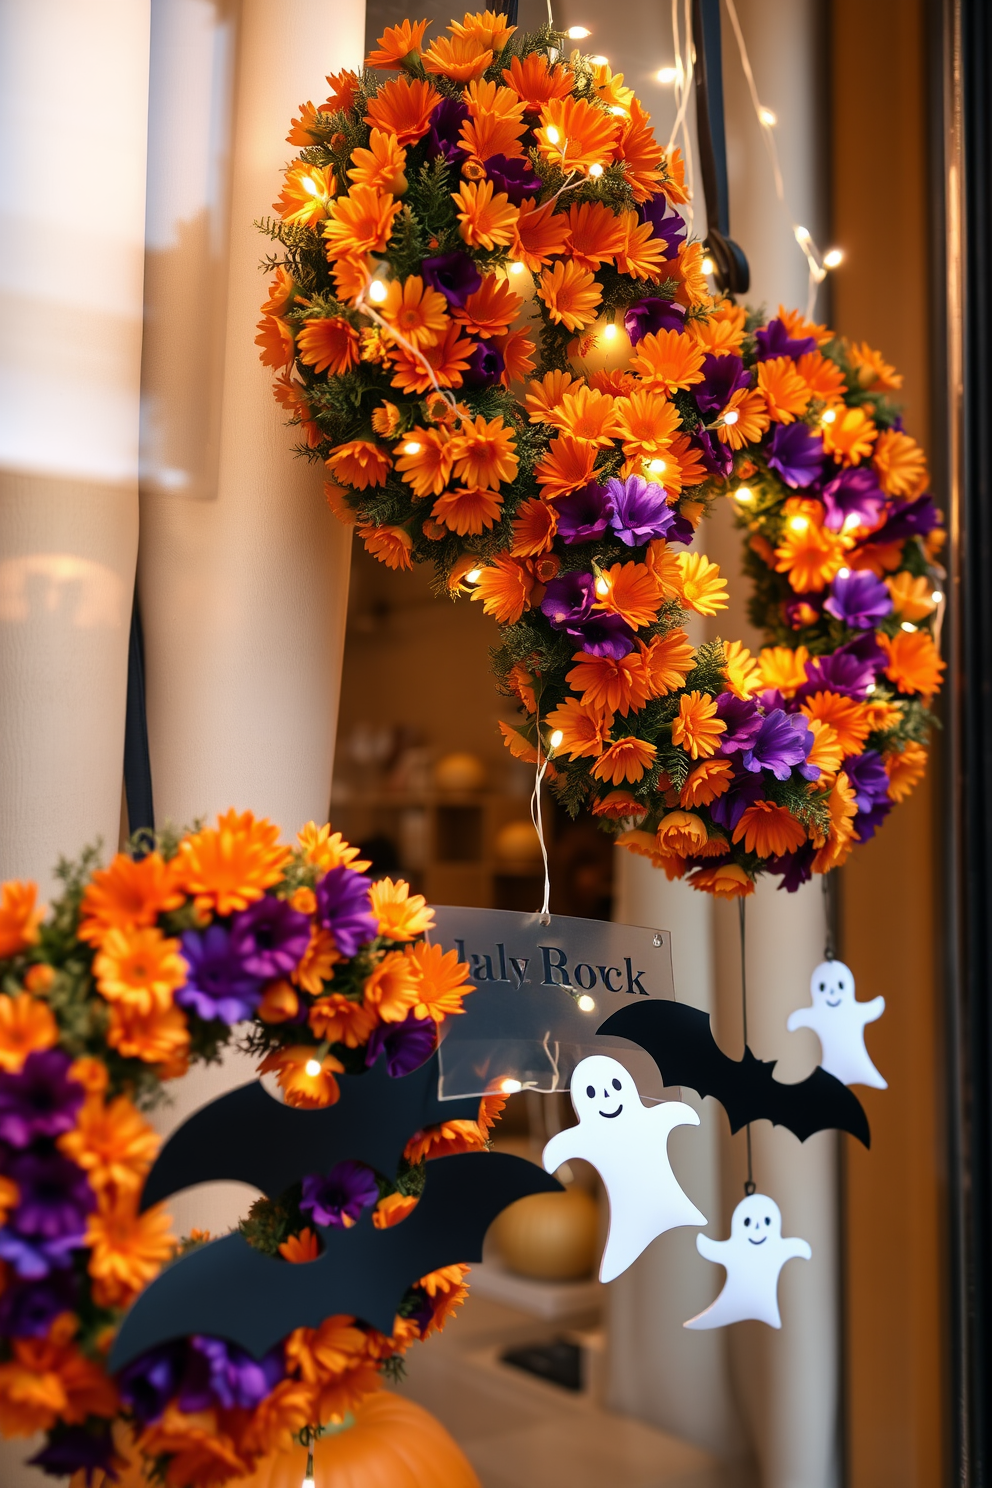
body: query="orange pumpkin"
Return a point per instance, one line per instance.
(392, 1444)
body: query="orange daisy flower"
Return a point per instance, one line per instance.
(809, 553)
(326, 849)
(440, 979)
(874, 374)
(668, 660)
(518, 352)
(299, 1078)
(689, 269)
(914, 661)
(229, 866)
(360, 463)
(520, 747)
(619, 805)
(483, 452)
(722, 331)
(486, 218)
(783, 668)
(391, 988)
(403, 108)
(298, 1249)
(625, 760)
(741, 669)
(114, 1145)
(467, 511)
(683, 464)
(281, 292)
(725, 881)
(785, 392)
(645, 845)
(595, 234)
(744, 419)
(608, 686)
(317, 964)
(710, 779)
(447, 358)
(279, 1003)
(352, 273)
(25, 1026)
(504, 588)
(307, 195)
(381, 166)
(911, 598)
(575, 134)
(425, 460)
(288, 394)
(127, 895)
(344, 86)
(571, 294)
(584, 731)
(849, 436)
(328, 345)
(418, 313)
(823, 377)
(642, 253)
(390, 545)
(850, 720)
(338, 1020)
(681, 833)
(275, 337)
(127, 1249)
(492, 308)
(535, 83)
(836, 846)
(139, 968)
(538, 234)
(308, 129)
(160, 1038)
(461, 58)
(645, 164)
(648, 420)
(534, 528)
(491, 28)
(696, 727)
(360, 222)
(398, 45)
(797, 325)
(769, 830)
(546, 395)
(494, 125)
(48, 1379)
(826, 752)
(667, 360)
(401, 915)
(700, 586)
(906, 768)
(393, 1209)
(587, 415)
(900, 464)
(632, 592)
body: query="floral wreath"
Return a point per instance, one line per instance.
(137, 970)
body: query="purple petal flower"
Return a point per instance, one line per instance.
(665, 221)
(344, 908)
(41, 1101)
(728, 809)
(723, 376)
(347, 1189)
(859, 599)
(852, 493)
(446, 125)
(584, 515)
(33, 1260)
(28, 1308)
(868, 779)
(221, 1373)
(718, 458)
(604, 635)
(217, 984)
(270, 937)
(569, 599)
(54, 1197)
(648, 316)
(639, 510)
(485, 366)
(797, 454)
(908, 519)
(796, 867)
(774, 341)
(515, 177)
(784, 740)
(849, 670)
(148, 1383)
(454, 275)
(86, 1449)
(742, 719)
(407, 1044)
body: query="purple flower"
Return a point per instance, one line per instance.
(908, 519)
(646, 317)
(868, 779)
(849, 670)
(28, 1308)
(407, 1044)
(344, 908)
(859, 599)
(485, 366)
(796, 867)
(348, 1188)
(87, 1449)
(270, 937)
(742, 719)
(221, 1373)
(446, 126)
(604, 635)
(584, 515)
(728, 809)
(33, 1260)
(217, 984)
(639, 510)
(54, 1197)
(774, 341)
(853, 493)
(718, 458)
(152, 1380)
(454, 275)
(665, 221)
(568, 600)
(723, 376)
(784, 740)
(797, 454)
(41, 1101)
(515, 177)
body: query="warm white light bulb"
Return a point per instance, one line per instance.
(828, 416)
(936, 596)
(412, 447)
(802, 234)
(870, 688)
(596, 171)
(621, 113)
(767, 118)
(843, 573)
(377, 291)
(799, 524)
(600, 61)
(586, 1003)
(833, 258)
(517, 268)
(552, 135)
(708, 265)
(578, 33)
(655, 466)
(556, 739)
(609, 333)
(731, 416)
(307, 1483)
(907, 626)
(851, 521)
(510, 1087)
(602, 586)
(473, 576)
(313, 1068)
(312, 186)
(667, 75)
(744, 494)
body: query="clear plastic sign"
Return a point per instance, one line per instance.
(541, 992)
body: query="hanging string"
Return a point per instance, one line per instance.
(829, 909)
(537, 817)
(749, 1186)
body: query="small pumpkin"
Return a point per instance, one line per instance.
(392, 1443)
(550, 1237)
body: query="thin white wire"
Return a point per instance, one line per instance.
(537, 818)
(362, 305)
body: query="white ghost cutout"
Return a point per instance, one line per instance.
(753, 1257)
(838, 1021)
(627, 1143)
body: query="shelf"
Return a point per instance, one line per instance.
(554, 1301)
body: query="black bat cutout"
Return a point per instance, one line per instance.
(681, 1043)
(228, 1290)
(249, 1136)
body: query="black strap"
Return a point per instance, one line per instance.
(507, 8)
(731, 269)
(137, 763)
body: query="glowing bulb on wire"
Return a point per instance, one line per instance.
(744, 494)
(602, 586)
(907, 626)
(833, 258)
(600, 61)
(799, 524)
(412, 447)
(767, 118)
(313, 187)
(667, 75)
(517, 268)
(556, 739)
(596, 171)
(609, 333)
(828, 416)
(313, 1068)
(803, 234)
(510, 1087)
(586, 1004)
(578, 33)
(474, 575)
(656, 467)
(708, 265)
(731, 417)
(553, 135)
(377, 291)
(937, 596)
(870, 688)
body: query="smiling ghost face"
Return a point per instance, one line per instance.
(756, 1220)
(831, 985)
(602, 1090)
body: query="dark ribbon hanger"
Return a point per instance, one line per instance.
(731, 269)
(137, 763)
